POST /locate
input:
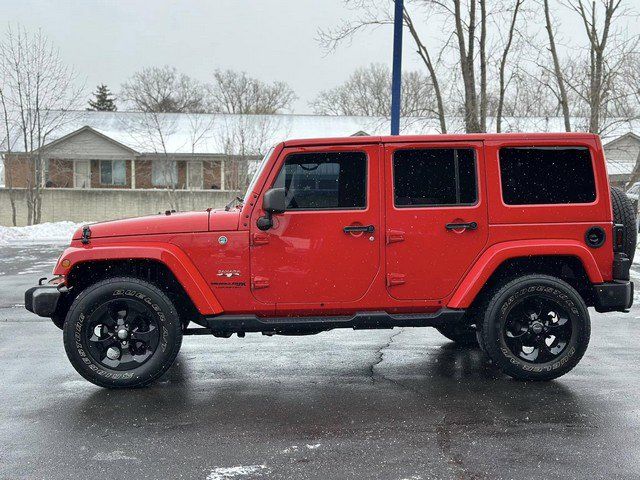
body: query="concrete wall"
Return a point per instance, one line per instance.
(106, 204)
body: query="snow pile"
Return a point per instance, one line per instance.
(47, 233)
(222, 473)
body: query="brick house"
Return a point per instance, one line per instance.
(118, 150)
(86, 158)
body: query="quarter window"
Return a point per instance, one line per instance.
(327, 180)
(434, 177)
(553, 175)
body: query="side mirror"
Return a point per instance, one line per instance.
(272, 202)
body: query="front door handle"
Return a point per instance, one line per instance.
(461, 226)
(359, 228)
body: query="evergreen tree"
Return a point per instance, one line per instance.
(103, 100)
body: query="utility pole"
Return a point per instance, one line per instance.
(396, 76)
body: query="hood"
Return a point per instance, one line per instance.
(220, 220)
(187, 222)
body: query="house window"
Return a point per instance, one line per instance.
(113, 172)
(164, 173)
(434, 177)
(549, 175)
(46, 175)
(82, 174)
(332, 180)
(194, 174)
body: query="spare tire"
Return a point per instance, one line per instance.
(624, 214)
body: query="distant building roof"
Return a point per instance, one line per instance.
(219, 133)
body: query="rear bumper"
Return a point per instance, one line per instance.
(615, 296)
(42, 300)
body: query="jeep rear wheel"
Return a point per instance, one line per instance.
(122, 332)
(624, 213)
(536, 327)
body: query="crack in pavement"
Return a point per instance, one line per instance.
(380, 356)
(444, 431)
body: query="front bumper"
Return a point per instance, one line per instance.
(43, 300)
(614, 296)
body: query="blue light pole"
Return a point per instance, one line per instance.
(396, 76)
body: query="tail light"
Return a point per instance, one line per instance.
(618, 238)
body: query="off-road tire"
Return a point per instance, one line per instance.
(159, 306)
(492, 327)
(624, 213)
(463, 335)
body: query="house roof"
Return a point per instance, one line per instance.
(87, 128)
(182, 133)
(627, 135)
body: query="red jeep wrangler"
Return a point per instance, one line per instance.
(501, 240)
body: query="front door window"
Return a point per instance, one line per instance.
(316, 181)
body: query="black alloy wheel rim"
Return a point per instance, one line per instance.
(122, 334)
(537, 329)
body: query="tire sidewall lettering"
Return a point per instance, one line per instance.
(560, 297)
(90, 363)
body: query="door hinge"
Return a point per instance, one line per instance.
(394, 236)
(259, 282)
(259, 239)
(394, 279)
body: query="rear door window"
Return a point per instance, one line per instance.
(433, 177)
(549, 175)
(324, 180)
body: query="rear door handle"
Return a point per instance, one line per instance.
(461, 226)
(359, 228)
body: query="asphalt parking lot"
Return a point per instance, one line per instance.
(391, 404)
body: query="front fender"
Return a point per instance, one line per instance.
(170, 255)
(495, 255)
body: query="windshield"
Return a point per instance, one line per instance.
(256, 174)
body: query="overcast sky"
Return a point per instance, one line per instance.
(108, 40)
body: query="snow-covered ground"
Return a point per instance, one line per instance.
(44, 233)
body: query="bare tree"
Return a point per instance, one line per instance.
(236, 92)
(245, 139)
(200, 129)
(376, 13)
(557, 69)
(465, 33)
(471, 50)
(5, 151)
(425, 55)
(155, 132)
(368, 92)
(503, 64)
(163, 89)
(38, 93)
(603, 58)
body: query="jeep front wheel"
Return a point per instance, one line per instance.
(122, 332)
(536, 328)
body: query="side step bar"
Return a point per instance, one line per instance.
(301, 325)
